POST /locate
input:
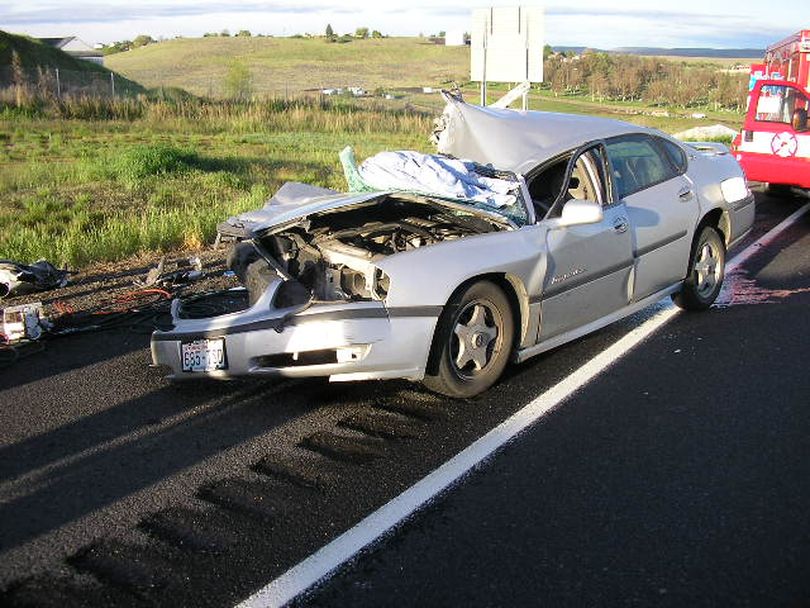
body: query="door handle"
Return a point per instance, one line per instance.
(686, 194)
(620, 225)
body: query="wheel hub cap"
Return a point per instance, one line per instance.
(476, 333)
(707, 268)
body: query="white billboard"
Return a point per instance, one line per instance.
(454, 38)
(507, 44)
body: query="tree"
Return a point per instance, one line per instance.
(330, 33)
(225, 33)
(361, 32)
(142, 40)
(117, 47)
(244, 34)
(376, 34)
(239, 82)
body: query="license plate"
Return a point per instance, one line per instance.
(205, 355)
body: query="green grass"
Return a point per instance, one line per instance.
(80, 191)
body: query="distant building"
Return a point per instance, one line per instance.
(76, 48)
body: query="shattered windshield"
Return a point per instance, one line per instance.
(461, 181)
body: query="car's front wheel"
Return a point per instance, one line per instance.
(707, 264)
(473, 341)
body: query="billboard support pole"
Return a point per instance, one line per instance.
(526, 92)
(484, 81)
(484, 75)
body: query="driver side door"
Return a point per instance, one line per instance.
(589, 265)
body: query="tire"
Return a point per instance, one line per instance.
(779, 191)
(707, 265)
(473, 341)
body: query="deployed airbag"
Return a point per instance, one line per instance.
(435, 175)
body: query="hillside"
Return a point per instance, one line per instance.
(35, 55)
(288, 65)
(686, 53)
(702, 53)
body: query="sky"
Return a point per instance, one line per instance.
(606, 25)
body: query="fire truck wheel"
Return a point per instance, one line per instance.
(779, 191)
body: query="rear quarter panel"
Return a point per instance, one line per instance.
(708, 171)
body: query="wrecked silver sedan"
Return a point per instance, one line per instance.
(443, 270)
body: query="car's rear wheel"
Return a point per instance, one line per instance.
(707, 264)
(473, 341)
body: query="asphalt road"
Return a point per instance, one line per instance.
(678, 476)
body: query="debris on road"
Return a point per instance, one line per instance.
(24, 322)
(17, 278)
(188, 269)
(102, 298)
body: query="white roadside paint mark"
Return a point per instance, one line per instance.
(329, 558)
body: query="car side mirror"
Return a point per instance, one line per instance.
(578, 212)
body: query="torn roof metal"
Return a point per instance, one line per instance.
(517, 140)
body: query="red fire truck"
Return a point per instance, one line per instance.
(774, 145)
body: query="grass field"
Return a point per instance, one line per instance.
(78, 191)
(289, 65)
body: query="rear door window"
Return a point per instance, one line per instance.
(675, 154)
(637, 163)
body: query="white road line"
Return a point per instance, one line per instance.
(326, 560)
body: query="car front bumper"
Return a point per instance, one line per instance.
(344, 341)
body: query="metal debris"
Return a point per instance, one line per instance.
(17, 278)
(187, 270)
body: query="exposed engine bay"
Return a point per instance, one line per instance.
(330, 256)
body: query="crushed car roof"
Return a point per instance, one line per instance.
(516, 140)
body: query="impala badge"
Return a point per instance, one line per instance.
(567, 275)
